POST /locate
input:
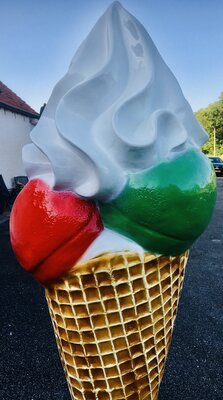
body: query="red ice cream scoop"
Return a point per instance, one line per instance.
(50, 230)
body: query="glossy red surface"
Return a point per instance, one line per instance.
(51, 230)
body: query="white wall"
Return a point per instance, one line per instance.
(14, 134)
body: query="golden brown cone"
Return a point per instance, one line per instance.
(113, 318)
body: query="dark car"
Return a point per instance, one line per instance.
(217, 164)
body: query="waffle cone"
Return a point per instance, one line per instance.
(113, 318)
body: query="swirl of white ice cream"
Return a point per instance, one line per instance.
(118, 110)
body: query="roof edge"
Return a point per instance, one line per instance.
(19, 111)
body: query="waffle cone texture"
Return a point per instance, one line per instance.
(113, 319)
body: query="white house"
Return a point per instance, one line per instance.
(16, 121)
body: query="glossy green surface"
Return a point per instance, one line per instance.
(166, 208)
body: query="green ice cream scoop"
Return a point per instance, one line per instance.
(166, 208)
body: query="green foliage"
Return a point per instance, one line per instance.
(211, 118)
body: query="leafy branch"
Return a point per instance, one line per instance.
(211, 118)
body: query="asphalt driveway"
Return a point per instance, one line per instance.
(29, 365)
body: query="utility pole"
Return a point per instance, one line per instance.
(214, 142)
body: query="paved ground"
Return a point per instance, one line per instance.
(29, 364)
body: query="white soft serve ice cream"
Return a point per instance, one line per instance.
(118, 111)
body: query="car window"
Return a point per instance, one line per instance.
(215, 159)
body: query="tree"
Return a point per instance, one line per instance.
(211, 118)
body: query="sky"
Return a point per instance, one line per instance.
(38, 39)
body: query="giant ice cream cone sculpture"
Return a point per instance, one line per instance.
(118, 192)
